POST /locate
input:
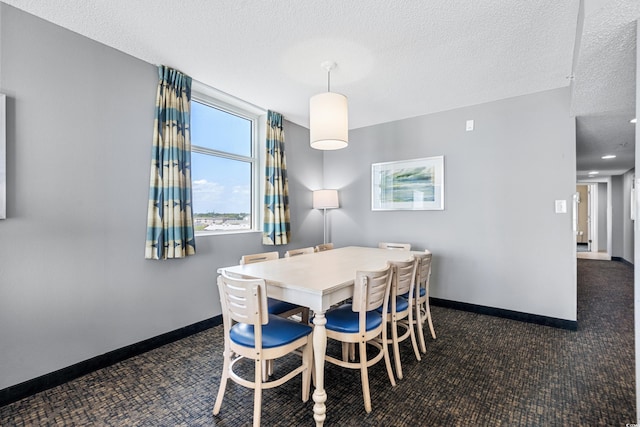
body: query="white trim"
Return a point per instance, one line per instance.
(259, 180)
(224, 100)
(593, 216)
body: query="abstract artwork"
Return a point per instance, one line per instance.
(416, 184)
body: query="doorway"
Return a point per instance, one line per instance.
(584, 232)
(592, 222)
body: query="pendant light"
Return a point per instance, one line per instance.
(328, 117)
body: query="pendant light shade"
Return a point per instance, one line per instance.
(328, 118)
(328, 121)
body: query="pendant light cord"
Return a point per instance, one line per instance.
(328, 65)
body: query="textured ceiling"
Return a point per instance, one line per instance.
(604, 91)
(396, 59)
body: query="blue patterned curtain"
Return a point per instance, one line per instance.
(277, 229)
(170, 218)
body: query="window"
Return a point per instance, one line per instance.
(224, 166)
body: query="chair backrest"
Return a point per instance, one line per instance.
(301, 251)
(397, 246)
(371, 289)
(423, 271)
(324, 247)
(265, 256)
(243, 300)
(404, 274)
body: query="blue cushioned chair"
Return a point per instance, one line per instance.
(275, 306)
(400, 311)
(251, 332)
(359, 322)
(422, 311)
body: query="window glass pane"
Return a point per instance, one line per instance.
(219, 130)
(221, 193)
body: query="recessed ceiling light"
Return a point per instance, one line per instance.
(609, 156)
(634, 120)
(594, 173)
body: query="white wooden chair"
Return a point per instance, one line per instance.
(281, 308)
(360, 323)
(324, 247)
(422, 310)
(400, 310)
(251, 332)
(275, 306)
(301, 251)
(264, 256)
(396, 246)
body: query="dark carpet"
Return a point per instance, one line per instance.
(481, 371)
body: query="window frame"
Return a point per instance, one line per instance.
(216, 99)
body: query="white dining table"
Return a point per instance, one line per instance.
(318, 281)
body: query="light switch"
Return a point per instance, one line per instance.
(469, 125)
(561, 206)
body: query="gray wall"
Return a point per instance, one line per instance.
(498, 242)
(602, 216)
(74, 283)
(622, 227)
(627, 223)
(617, 216)
(636, 234)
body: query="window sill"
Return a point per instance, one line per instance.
(224, 233)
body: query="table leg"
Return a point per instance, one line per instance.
(319, 350)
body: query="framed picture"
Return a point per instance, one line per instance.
(416, 184)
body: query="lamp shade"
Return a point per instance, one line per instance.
(325, 199)
(328, 121)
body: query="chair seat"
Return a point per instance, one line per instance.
(343, 319)
(402, 304)
(275, 306)
(423, 292)
(276, 333)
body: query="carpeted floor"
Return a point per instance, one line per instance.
(481, 371)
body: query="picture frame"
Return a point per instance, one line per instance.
(416, 184)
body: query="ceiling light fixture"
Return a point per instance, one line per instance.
(634, 120)
(609, 156)
(328, 117)
(594, 173)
